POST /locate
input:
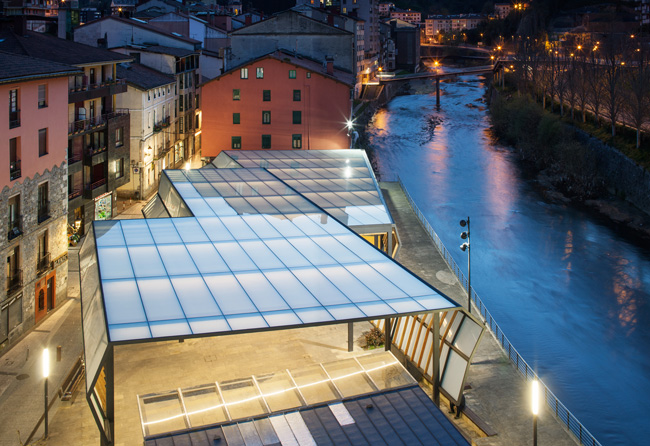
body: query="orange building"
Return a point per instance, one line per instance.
(277, 101)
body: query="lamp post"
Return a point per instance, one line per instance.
(465, 247)
(46, 373)
(535, 409)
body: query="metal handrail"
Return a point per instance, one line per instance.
(15, 169)
(14, 281)
(562, 414)
(43, 263)
(96, 184)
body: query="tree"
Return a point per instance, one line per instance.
(612, 79)
(636, 107)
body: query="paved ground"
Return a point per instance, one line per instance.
(498, 394)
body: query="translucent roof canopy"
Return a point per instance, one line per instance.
(179, 277)
(340, 181)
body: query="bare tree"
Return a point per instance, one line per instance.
(636, 108)
(612, 79)
(595, 82)
(581, 83)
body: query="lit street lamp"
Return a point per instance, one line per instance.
(535, 409)
(46, 373)
(465, 247)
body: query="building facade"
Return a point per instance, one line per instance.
(151, 99)
(277, 102)
(441, 24)
(183, 66)
(33, 196)
(407, 15)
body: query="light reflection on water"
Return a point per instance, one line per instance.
(569, 292)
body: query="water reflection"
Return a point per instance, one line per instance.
(570, 292)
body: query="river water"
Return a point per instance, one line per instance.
(569, 290)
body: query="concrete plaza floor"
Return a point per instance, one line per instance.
(498, 393)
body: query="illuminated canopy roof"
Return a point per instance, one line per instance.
(339, 181)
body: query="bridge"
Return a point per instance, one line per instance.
(372, 91)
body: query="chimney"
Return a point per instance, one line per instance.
(329, 61)
(248, 20)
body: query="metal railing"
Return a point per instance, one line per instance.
(14, 281)
(93, 86)
(74, 194)
(15, 228)
(43, 263)
(14, 119)
(97, 121)
(43, 213)
(562, 414)
(96, 184)
(14, 169)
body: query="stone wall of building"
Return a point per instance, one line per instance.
(55, 225)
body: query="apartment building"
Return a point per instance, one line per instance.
(277, 101)
(33, 197)
(440, 24)
(407, 15)
(151, 99)
(98, 132)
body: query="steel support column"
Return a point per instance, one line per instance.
(350, 336)
(436, 358)
(388, 340)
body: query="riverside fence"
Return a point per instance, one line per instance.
(562, 414)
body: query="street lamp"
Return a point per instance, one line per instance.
(535, 409)
(465, 247)
(46, 373)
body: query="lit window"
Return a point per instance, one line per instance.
(259, 73)
(296, 141)
(292, 74)
(243, 73)
(42, 96)
(266, 117)
(308, 74)
(236, 142)
(235, 95)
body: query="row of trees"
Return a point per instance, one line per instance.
(608, 79)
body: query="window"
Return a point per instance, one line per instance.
(119, 137)
(14, 217)
(42, 96)
(292, 74)
(266, 95)
(243, 73)
(266, 117)
(148, 95)
(235, 118)
(235, 95)
(42, 142)
(180, 104)
(14, 158)
(43, 202)
(297, 117)
(296, 95)
(196, 101)
(266, 141)
(119, 168)
(259, 73)
(296, 141)
(14, 113)
(235, 142)
(308, 74)
(42, 262)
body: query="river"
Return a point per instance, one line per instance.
(569, 290)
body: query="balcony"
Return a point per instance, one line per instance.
(14, 281)
(95, 189)
(161, 125)
(74, 194)
(93, 91)
(14, 119)
(14, 229)
(14, 170)
(92, 150)
(95, 123)
(43, 264)
(43, 213)
(74, 157)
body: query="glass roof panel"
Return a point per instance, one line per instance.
(206, 258)
(194, 296)
(199, 207)
(286, 253)
(281, 318)
(314, 253)
(122, 300)
(291, 290)
(166, 329)
(383, 287)
(320, 287)
(216, 324)
(230, 296)
(220, 206)
(110, 234)
(189, 229)
(284, 226)
(129, 332)
(160, 301)
(117, 264)
(146, 261)
(235, 257)
(261, 293)
(354, 289)
(238, 228)
(136, 233)
(163, 230)
(215, 229)
(177, 260)
(261, 226)
(261, 255)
